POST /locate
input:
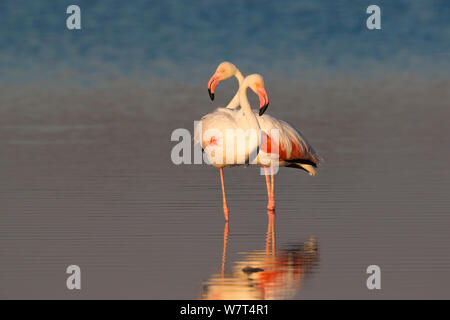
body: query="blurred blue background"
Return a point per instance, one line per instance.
(184, 39)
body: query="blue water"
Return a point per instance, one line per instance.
(182, 40)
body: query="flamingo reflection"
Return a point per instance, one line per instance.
(263, 274)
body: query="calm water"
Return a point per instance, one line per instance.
(87, 180)
(86, 176)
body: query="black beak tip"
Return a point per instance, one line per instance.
(211, 95)
(263, 109)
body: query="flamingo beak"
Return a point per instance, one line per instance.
(211, 95)
(263, 101)
(212, 84)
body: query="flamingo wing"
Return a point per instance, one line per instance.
(219, 119)
(294, 149)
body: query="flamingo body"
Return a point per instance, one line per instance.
(221, 145)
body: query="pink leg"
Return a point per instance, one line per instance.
(225, 207)
(272, 190)
(270, 203)
(266, 171)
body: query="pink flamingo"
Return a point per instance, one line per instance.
(241, 148)
(293, 149)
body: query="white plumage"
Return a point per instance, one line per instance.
(228, 136)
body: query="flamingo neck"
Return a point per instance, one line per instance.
(239, 77)
(234, 103)
(246, 109)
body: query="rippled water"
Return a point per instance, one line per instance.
(86, 179)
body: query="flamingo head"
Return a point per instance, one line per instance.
(224, 71)
(256, 83)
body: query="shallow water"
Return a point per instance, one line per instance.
(86, 179)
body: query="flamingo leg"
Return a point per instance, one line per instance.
(225, 207)
(270, 203)
(266, 172)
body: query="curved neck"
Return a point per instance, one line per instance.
(246, 108)
(234, 103)
(239, 77)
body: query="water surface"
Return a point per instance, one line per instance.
(86, 179)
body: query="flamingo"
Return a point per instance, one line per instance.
(212, 133)
(293, 149)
